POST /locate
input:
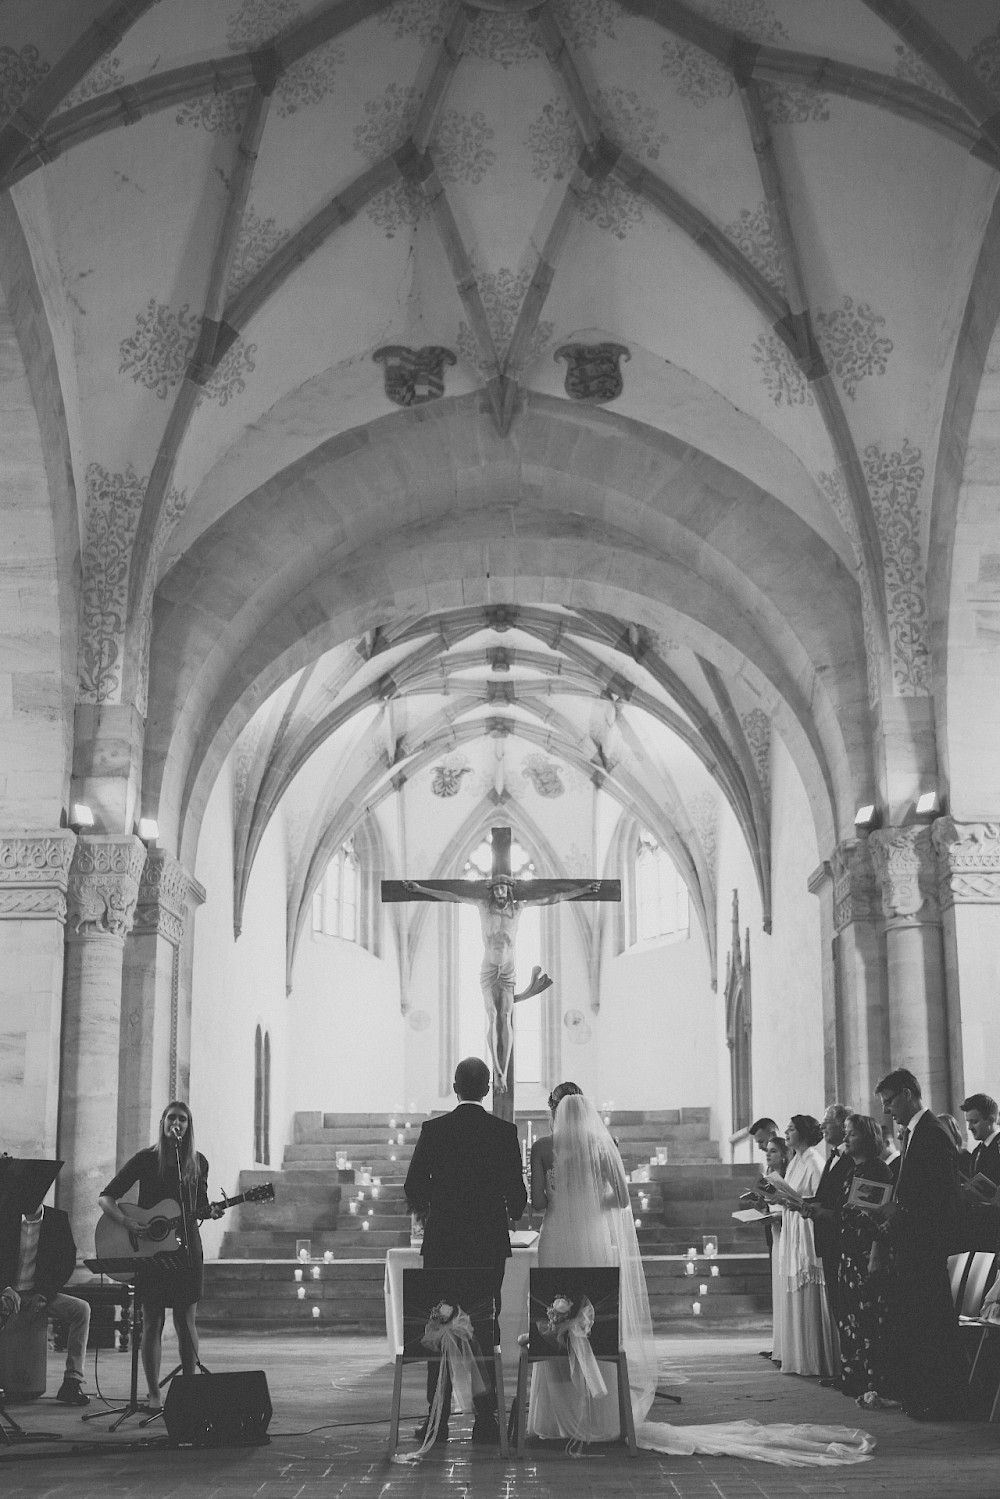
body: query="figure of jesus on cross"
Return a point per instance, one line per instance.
(500, 900)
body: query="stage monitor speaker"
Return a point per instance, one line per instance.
(218, 1410)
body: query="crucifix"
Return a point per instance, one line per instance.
(500, 901)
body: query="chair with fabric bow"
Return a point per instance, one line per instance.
(441, 1310)
(573, 1314)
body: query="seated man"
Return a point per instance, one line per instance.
(37, 1258)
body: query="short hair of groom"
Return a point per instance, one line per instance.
(472, 1079)
(897, 1082)
(768, 1124)
(982, 1103)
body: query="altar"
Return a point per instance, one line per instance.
(513, 1300)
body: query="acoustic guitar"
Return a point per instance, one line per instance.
(118, 1247)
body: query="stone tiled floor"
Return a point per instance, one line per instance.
(331, 1402)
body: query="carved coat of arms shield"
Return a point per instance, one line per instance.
(593, 371)
(413, 376)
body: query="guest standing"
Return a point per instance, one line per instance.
(980, 1112)
(777, 1156)
(922, 1343)
(155, 1169)
(808, 1338)
(829, 1198)
(860, 1296)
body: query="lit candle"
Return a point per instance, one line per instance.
(400, 1139)
(303, 1254)
(361, 1197)
(298, 1275)
(375, 1191)
(715, 1269)
(703, 1289)
(315, 1313)
(392, 1157)
(638, 1223)
(710, 1243)
(696, 1308)
(371, 1212)
(328, 1256)
(392, 1124)
(689, 1268)
(692, 1253)
(301, 1293)
(315, 1272)
(353, 1206)
(364, 1226)
(407, 1125)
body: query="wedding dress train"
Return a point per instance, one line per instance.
(589, 1221)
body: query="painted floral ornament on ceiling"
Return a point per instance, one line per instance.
(460, 150)
(753, 234)
(502, 293)
(256, 23)
(102, 79)
(20, 73)
(852, 344)
(158, 354)
(257, 241)
(554, 146)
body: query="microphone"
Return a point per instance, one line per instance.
(177, 1129)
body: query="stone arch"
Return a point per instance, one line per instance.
(332, 548)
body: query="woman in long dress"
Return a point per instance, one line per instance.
(588, 1221)
(860, 1295)
(808, 1337)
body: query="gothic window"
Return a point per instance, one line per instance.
(336, 903)
(661, 897)
(262, 1098)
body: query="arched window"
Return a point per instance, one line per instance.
(661, 897)
(336, 903)
(262, 1098)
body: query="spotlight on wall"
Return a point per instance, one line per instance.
(928, 804)
(866, 818)
(148, 830)
(80, 817)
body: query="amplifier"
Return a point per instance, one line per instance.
(218, 1410)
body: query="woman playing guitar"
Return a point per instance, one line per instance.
(157, 1286)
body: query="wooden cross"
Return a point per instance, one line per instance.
(502, 923)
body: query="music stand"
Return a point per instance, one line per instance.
(23, 1185)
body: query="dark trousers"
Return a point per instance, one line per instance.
(487, 1335)
(923, 1352)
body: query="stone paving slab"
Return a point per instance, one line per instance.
(331, 1403)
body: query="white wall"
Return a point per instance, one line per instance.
(236, 987)
(787, 1004)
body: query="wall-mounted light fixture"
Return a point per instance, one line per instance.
(866, 818)
(148, 830)
(80, 817)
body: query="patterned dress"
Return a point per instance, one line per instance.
(861, 1297)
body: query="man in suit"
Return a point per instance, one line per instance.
(762, 1131)
(37, 1258)
(980, 1112)
(922, 1342)
(466, 1181)
(829, 1198)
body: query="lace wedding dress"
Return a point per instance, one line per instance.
(588, 1221)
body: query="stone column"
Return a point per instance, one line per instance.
(821, 885)
(906, 870)
(153, 1055)
(34, 869)
(103, 888)
(860, 975)
(969, 892)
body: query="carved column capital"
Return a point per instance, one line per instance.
(906, 870)
(34, 869)
(855, 897)
(104, 884)
(968, 855)
(167, 896)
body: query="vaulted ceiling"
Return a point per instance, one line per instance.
(664, 298)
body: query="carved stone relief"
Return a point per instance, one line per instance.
(906, 870)
(855, 896)
(34, 871)
(167, 895)
(968, 861)
(103, 884)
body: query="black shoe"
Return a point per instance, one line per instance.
(70, 1393)
(420, 1433)
(935, 1413)
(829, 1384)
(486, 1431)
(764, 1353)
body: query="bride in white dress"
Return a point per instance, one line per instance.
(588, 1221)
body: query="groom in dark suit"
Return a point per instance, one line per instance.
(465, 1180)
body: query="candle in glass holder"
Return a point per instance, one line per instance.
(696, 1308)
(401, 1138)
(638, 1223)
(689, 1268)
(365, 1226)
(710, 1244)
(375, 1192)
(392, 1157)
(371, 1212)
(302, 1249)
(298, 1275)
(328, 1256)
(715, 1269)
(703, 1289)
(301, 1293)
(315, 1272)
(353, 1206)
(316, 1313)
(692, 1253)
(392, 1124)
(407, 1124)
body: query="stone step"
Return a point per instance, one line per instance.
(263, 1294)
